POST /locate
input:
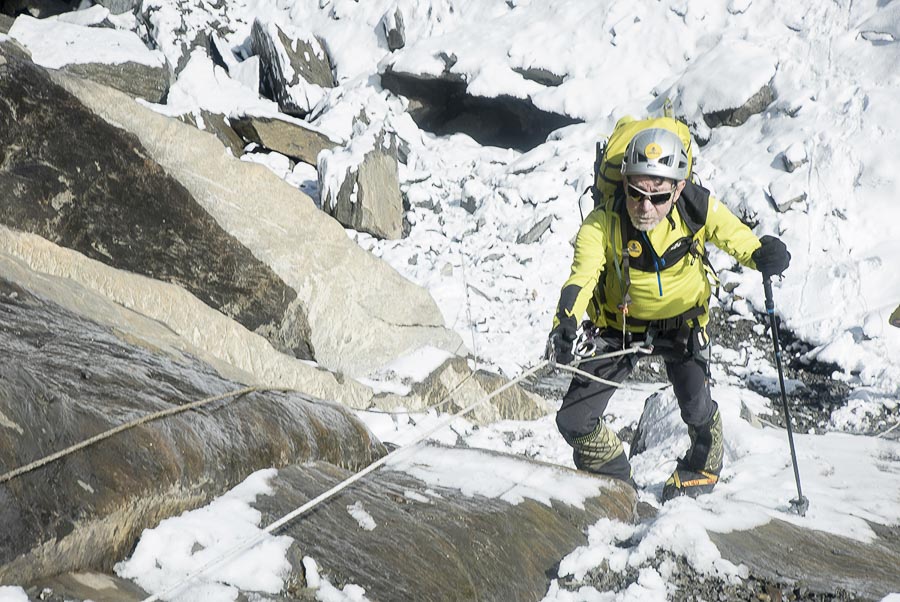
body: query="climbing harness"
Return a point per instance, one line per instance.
(585, 349)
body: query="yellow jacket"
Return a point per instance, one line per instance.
(666, 281)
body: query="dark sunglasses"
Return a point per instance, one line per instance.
(657, 198)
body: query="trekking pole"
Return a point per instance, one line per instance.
(801, 504)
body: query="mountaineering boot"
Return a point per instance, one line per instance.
(600, 452)
(698, 472)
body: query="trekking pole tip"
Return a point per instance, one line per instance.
(800, 505)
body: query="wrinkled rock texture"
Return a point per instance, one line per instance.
(65, 378)
(448, 547)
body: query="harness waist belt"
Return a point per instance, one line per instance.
(664, 324)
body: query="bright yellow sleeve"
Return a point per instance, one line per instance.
(729, 233)
(587, 264)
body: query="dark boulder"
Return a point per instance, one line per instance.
(65, 378)
(72, 178)
(39, 9)
(288, 66)
(442, 105)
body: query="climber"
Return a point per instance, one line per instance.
(640, 272)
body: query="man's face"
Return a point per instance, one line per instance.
(649, 199)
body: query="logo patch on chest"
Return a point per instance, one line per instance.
(634, 248)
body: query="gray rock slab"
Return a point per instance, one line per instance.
(368, 198)
(455, 386)
(739, 115)
(394, 30)
(220, 126)
(434, 543)
(65, 378)
(71, 177)
(135, 79)
(545, 77)
(163, 318)
(821, 561)
(361, 313)
(286, 137)
(5, 23)
(534, 234)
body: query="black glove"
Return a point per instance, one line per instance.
(562, 342)
(772, 257)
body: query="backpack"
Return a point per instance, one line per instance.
(610, 152)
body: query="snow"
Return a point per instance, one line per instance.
(475, 473)
(181, 545)
(399, 375)
(11, 593)
(203, 85)
(363, 518)
(93, 15)
(707, 86)
(832, 67)
(56, 43)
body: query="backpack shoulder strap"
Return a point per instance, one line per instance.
(693, 204)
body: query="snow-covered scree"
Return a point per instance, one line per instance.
(471, 206)
(490, 232)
